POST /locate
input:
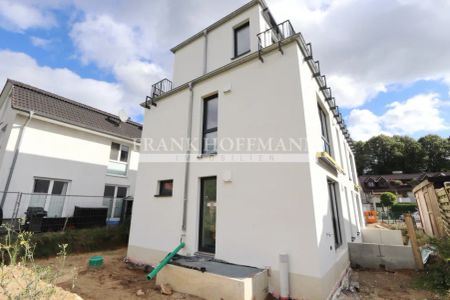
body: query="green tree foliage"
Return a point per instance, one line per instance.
(388, 199)
(384, 154)
(437, 152)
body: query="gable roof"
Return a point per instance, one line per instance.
(25, 97)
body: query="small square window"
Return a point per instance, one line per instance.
(165, 188)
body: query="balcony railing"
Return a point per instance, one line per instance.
(275, 35)
(157, 90)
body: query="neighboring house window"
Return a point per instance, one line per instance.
(209, 140)
(165, 188)
(242, 39)
(335, 211)
(371, 184)
(118, 159)
(325, 130)
(50, 194)
(113, 199)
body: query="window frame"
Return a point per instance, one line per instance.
(206, 130)
(119, 154)
(118, 160)
(333, 188)
(325, 128)
(236, 29)
(114, 199)
(160, 185)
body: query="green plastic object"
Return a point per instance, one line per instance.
(165, 261)
(95, 261)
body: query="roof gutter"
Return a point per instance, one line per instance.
(16, 155)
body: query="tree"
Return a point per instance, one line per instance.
(361, 159)
(437, 153)
(388, 199)
(412, 158)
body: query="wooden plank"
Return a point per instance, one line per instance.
(413, 240)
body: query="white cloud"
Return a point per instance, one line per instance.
(106, 42)
(20, 16)
(420, 113)
(40, 42)
(104, 95)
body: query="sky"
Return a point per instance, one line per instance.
(387, 61)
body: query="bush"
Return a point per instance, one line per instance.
(436, 276)
(81, 240)
(388, 199)
(402, 208)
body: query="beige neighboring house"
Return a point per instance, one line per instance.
(248, 78)
(53, 149)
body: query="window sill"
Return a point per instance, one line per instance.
(206, 155)
(162, 196)
(117, 175)
(329, 160)
(240, 55)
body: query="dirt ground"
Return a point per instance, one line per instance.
(376, 285)
(116, 281)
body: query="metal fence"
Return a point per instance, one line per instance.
(46, 212)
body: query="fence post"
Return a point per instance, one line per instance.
(413, 239)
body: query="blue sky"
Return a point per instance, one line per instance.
(390, 73)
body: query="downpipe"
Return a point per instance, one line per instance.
(187, 163)
(16, 154)
(284, 276)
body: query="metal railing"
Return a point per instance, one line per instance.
(274, 35)
(159, 88)
(64, 210)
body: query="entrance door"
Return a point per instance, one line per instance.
(208, 193)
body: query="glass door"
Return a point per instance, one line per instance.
(57, 199)
(208, 200)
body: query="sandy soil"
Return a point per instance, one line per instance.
(376, 285)
(117, 281)
(112, 281)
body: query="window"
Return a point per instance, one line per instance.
(242, 39)
(335, 211)
(50, 194)
(118, 159)
(210, 111)
(165, 188)
(113, 199)
(119, 152)
(325, 132)
(371, 184)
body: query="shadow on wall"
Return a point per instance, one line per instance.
(82, 179)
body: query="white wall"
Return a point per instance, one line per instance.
(189, 60)
(256, 219)
(55, 151)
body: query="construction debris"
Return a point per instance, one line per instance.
(166, 289)
(140, 293)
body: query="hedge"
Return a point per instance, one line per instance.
(81, 240)
(404, 207)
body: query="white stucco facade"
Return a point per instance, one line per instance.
(264, 208)
(57, 151)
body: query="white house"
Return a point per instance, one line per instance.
(56, 153)
(268, 167)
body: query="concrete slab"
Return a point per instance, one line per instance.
(375, 256)
(213, 286)
(382, 236)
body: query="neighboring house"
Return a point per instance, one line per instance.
(372, 186)
(247, 79)
(58, 153)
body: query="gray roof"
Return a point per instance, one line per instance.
(28, 98)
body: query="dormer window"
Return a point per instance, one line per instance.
(242, 39)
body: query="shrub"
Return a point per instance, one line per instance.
(404, 207)
(81, 240)
(436, 276)
(388, 199)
